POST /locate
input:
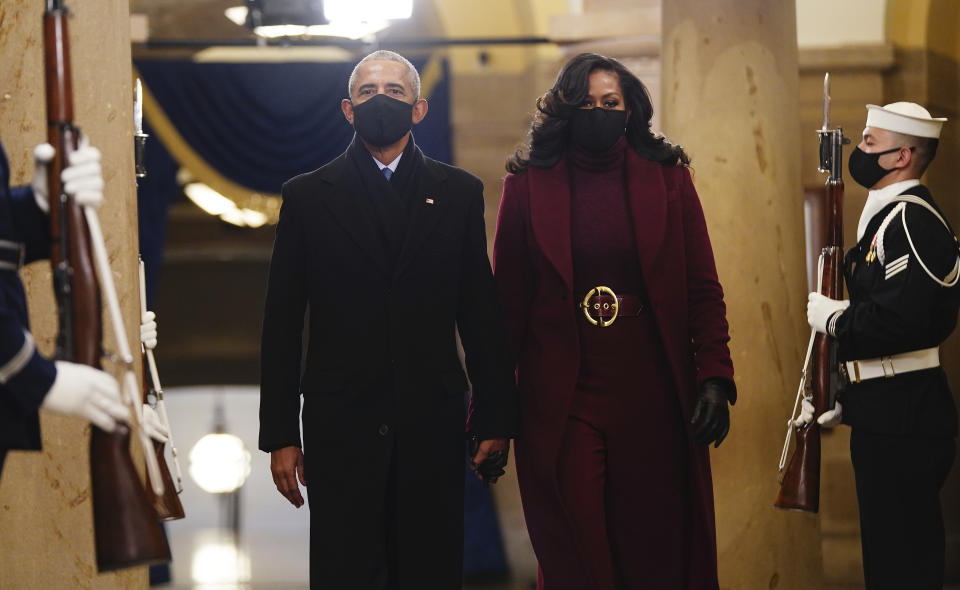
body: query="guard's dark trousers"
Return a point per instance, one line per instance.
(901, 526)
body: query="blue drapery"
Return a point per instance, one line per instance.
(257, 125)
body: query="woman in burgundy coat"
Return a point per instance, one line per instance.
(622, 387)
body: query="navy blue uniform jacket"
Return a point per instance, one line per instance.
(25, 375)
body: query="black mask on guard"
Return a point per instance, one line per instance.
(382, 120)
(865, 168)
(597, 129)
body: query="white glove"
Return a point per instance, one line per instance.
(82, 178)
(820, 309)
(153, 426)
(148, 330)
(42, 156)
(79, 390)
(828, 419)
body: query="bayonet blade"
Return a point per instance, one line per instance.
(137, 108)
(826, 101)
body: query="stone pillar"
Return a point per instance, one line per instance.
(730, 85)
(46, 520)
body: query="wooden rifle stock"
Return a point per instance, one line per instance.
(125, 525)
(800, 486)
(167, 505)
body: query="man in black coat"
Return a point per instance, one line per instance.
(387, 250)
(902, 278)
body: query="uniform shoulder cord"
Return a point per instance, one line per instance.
(951, 279)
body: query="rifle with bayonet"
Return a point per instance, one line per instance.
(800, 486)
(126, 529)
(168, 504)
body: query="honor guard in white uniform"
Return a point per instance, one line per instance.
(902, 280)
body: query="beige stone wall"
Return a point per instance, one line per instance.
(46, 530)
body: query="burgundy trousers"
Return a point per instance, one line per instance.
(622, 463)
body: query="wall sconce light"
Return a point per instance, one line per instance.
(219, 462)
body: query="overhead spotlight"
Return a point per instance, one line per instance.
(366, 10)
(352, 19)
(237, 14)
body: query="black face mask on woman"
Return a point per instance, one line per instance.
(597, 129)
(382, 120)
(865, 169)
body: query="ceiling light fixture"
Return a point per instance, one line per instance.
(366, 10)
(351, 19)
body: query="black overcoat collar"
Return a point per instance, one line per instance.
(356, 215)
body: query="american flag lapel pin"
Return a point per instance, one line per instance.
(429, 201)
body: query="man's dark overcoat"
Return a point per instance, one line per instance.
(534, 269)
(382, 382)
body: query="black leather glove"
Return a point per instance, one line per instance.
(491, 468)
(712, 414)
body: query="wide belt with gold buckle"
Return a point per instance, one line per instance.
(601, 306)
(890, 366)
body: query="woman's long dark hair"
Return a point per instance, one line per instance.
(549, 134)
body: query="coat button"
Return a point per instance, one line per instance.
(383, 430)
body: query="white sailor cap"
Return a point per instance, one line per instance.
(908, 118)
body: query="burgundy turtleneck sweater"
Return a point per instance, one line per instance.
(604, 247)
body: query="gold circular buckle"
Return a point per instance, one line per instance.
(600, 321)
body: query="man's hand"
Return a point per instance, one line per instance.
(828, 419)
(153, 426)
(148, 330)
(821, 309)
(286, 464)
(42, 156)
(489, 458)
(91, 394)
(82, 177)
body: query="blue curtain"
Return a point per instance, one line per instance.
(257, 125)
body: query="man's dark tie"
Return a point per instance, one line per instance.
(387, 172)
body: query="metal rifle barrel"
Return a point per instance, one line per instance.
(126, 529)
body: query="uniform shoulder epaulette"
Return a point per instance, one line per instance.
(901, 210)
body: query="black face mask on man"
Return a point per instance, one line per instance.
(382, 120)
(865, 169)
(597, 129)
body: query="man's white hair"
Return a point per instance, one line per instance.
(412, 77)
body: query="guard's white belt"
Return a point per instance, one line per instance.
(890, 366)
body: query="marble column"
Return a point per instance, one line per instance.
(730, 85)
(46, 521)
